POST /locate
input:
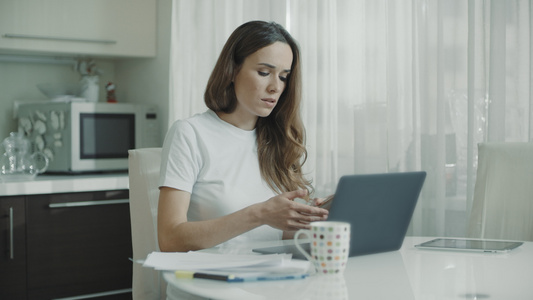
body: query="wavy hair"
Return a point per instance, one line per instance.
(281, 135)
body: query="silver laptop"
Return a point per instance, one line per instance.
(379, 208)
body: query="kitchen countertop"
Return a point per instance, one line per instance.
(52, 184)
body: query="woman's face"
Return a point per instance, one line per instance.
(260, 82)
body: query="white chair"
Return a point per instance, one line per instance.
(144, 165)
(503, 196)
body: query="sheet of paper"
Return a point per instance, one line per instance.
(286, 268)
(210, 261)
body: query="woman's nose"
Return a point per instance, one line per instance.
(275, 85)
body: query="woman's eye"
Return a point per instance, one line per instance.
(284, 79)
(264, 74)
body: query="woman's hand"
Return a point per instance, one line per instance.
(283, 213)
(322, 202)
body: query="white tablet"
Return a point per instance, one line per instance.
(491, 246)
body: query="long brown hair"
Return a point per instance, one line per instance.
(281, 135)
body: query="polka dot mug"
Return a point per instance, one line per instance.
(330, 246)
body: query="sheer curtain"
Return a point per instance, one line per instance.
(389, 86)
(199, 30)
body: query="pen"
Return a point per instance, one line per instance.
(191, 274)
(233, 278)
(268, 278)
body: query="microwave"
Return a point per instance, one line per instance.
(88, 137)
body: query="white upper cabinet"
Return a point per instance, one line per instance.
(110, 28)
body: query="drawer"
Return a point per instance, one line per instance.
(78, 243)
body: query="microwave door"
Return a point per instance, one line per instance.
(103, 141)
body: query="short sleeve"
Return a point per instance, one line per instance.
(180, 159)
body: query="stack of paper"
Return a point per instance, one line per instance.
(233, 267)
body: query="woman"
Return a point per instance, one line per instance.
(231, 173)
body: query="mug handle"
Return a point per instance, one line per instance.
(298, 233)
(44, 158)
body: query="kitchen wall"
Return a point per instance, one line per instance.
(18, 82)
(138, 80)
(147, 80)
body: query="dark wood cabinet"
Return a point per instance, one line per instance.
(78, 244)
(13, 247)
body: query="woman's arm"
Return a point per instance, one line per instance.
(176, 233)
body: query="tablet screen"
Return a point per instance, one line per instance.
(470, 245)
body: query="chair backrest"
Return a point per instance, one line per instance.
(503, 195)
(144, 165)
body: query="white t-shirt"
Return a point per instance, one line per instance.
(217, 163)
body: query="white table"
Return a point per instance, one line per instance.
(410, 273)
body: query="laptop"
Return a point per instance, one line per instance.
(379, 208)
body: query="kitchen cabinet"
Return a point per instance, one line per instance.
(76, 245)
(109, 28)
(13, 247)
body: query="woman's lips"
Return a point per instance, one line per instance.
(270, 102)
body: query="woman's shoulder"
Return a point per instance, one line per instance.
(195, 124)
(198, 119)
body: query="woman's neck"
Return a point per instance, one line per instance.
(238, 120)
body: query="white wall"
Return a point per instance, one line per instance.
(18, 82)
(147, 80)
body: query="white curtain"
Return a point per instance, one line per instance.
(199, 30)
(389, 86)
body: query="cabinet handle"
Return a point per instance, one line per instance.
(57, 38)
(115, 292)
(88, 203)
(11, 235)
